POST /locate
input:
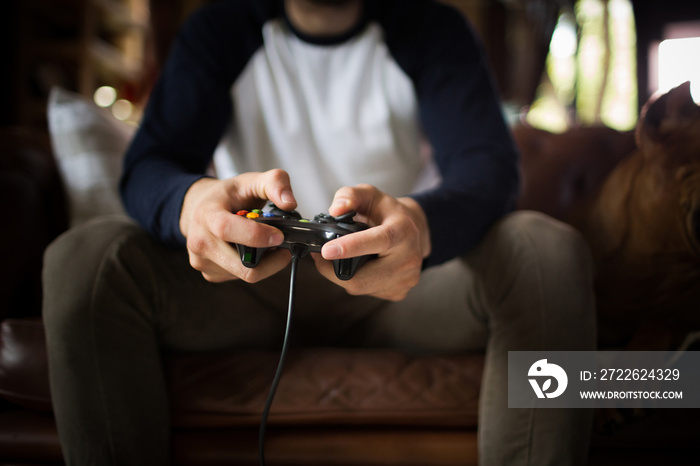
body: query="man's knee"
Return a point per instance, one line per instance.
(539, 282)
(81, 249)
(553, 242)
(531, 254)
(72, 264)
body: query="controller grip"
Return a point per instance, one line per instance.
(250, 257)
(345, 268)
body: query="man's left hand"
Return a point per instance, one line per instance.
(399, 236)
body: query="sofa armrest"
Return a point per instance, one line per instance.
(23, 364)
(34, 213)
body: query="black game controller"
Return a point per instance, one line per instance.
(311, 233)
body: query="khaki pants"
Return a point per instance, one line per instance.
(114, 299)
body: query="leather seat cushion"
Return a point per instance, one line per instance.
(320, 386)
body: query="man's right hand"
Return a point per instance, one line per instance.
(209, 222)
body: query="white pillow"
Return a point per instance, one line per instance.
(89, 145)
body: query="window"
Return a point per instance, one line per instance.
(591, 69)
(670, 60)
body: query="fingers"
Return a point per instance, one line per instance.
(359, 198)
(373, 278)
(237, 229)
(211, 227)
(273, 185)
(399, 236)
(218, 258)
(275, 261)
(379, 240)
(392, 223)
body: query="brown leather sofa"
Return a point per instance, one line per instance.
(334, 406)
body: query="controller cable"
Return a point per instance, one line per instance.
(298, 251)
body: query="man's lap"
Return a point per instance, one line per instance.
(439, 314)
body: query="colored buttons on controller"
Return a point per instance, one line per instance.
(253, 214)
(312, 234)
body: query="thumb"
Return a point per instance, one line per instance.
(276, 186)
(361, 198)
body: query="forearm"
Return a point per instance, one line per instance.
(152, 192)
(187, 114)
(478, 191)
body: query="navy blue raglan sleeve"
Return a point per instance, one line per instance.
(186, 116)
(461, 115)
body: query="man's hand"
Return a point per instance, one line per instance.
(209, 223)
(400, 237)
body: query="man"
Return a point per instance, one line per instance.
(316, 105)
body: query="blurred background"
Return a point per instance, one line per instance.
(558, 63)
